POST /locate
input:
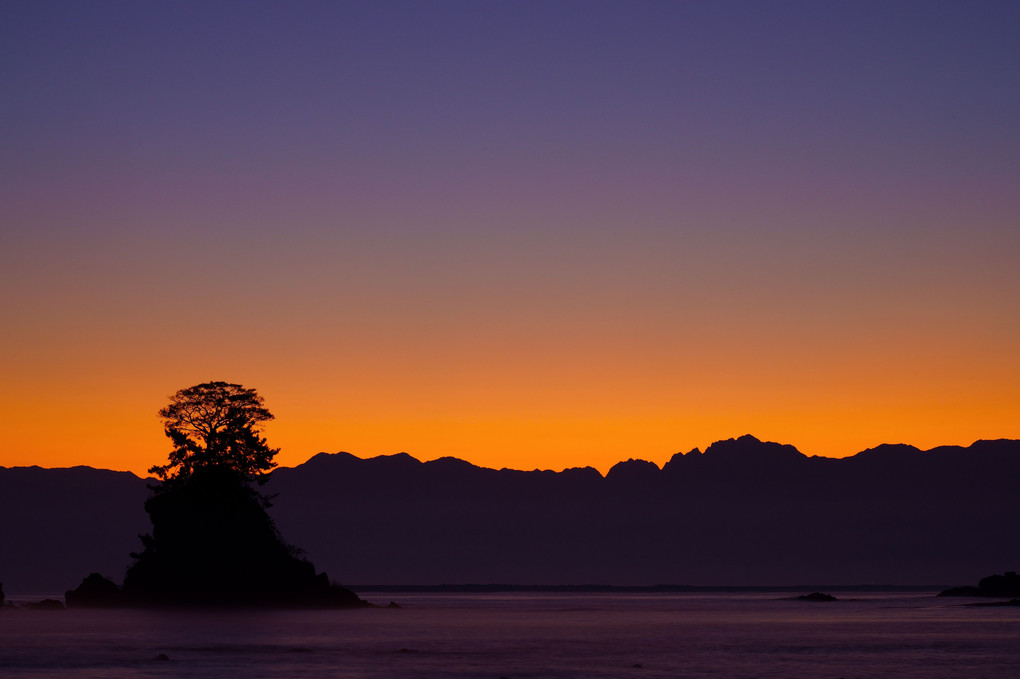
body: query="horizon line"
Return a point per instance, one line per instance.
(536, 469)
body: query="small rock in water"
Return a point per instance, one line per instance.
(162, 657)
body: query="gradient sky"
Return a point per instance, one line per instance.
(526, 234)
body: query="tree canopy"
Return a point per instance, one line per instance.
(216, 426)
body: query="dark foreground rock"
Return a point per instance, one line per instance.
(95, 591)
(213, 544)
(330, 596)
(1006, 585)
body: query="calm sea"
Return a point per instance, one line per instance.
(523, 635)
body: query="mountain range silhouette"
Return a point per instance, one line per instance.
(743, 512)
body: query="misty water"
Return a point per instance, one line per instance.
(523, 635)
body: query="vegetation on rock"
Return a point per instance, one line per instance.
(212, 541)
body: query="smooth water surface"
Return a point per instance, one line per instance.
(522, 635)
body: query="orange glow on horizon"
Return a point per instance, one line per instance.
(548, 410)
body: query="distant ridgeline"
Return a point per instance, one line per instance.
(743, 512)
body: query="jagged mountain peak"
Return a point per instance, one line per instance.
(889, 452)
(749, 447)
(632, 469)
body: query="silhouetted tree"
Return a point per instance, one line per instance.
(212, 540)
(216, 425)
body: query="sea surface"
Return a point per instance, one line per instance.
(523, 635)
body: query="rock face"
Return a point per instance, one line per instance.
(1006, 585)
(213, 543)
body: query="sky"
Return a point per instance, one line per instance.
(524, 234)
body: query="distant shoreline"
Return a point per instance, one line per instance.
(22, 598)
(635, 589)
